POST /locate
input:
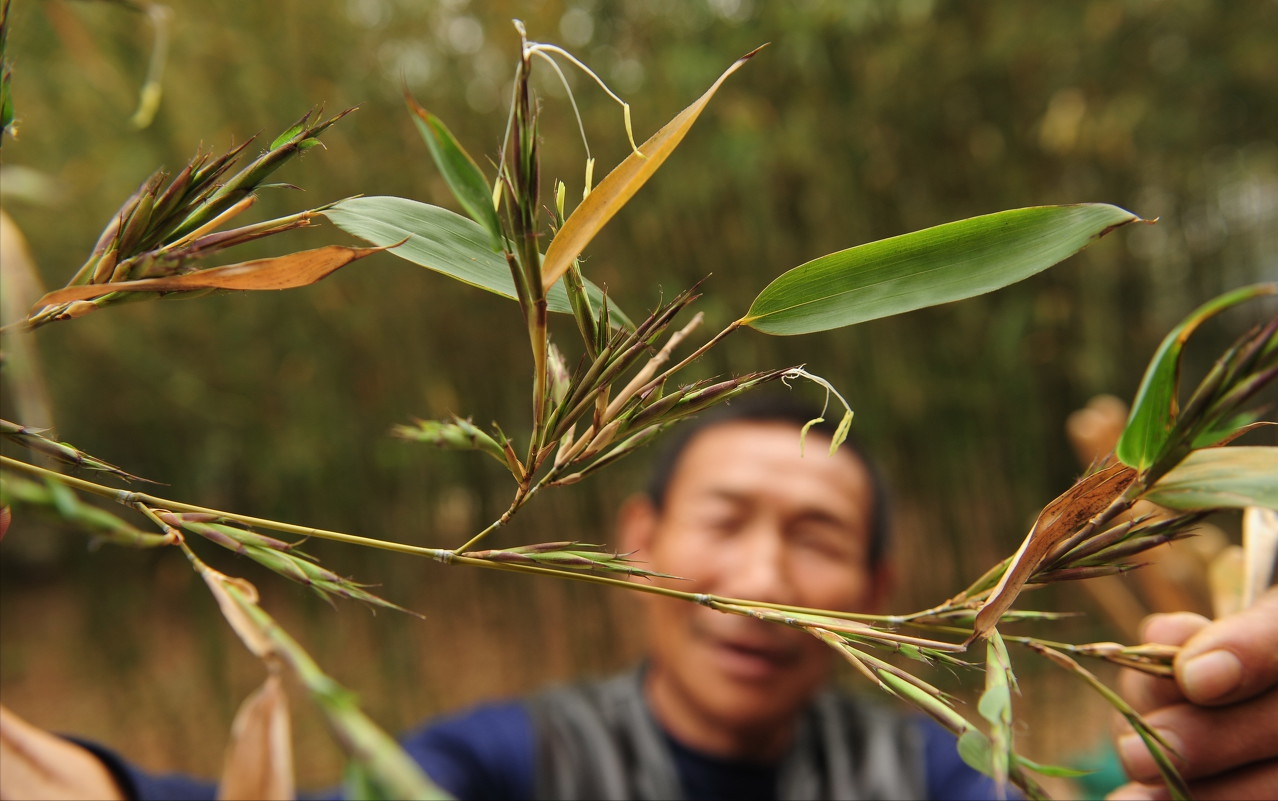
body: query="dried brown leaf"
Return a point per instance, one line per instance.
(259, 758)
(254, 637)
(1058, 520)
(282, 272)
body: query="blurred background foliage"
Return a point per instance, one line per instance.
(862, 120)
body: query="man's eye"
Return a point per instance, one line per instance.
(720, 525)
(822, 540)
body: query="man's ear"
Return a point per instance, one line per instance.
(636, 524)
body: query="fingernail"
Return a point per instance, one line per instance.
(1136, 758)
(1131, 792)
(1211, 676)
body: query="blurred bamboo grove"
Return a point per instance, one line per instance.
(860, 121)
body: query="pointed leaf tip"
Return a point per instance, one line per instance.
(936, 265)
(616, 189)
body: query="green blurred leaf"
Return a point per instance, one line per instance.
(457, 433)
(616, 189)
(936, 265)
(6, 77)
(1154, 410)
(974, 749)
(1059, 771)
(1226, 431)
(995, 705)
(461, 172)
(1213, 478)
(445, 242)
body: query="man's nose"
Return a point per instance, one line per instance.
(759, 570)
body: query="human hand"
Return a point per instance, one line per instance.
(35, 764)
(1220, 713)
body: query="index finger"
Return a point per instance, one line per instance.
(1145, 692)
(1234, 658)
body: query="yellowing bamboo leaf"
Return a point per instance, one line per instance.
(1058, 520)
(282, 272)
(259, 758)
(616, 189)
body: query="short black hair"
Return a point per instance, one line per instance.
(771, 407)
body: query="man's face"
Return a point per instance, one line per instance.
(747, 516)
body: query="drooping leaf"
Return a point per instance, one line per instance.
(445, 242)
(1058, 520)
(259, 757)
(936, 265)
(460, 171)
(1154, 409)
(616, 189)
(282, 272)
(383, 762)
(1235, 477)
(234, 598)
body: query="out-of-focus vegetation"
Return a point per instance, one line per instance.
(860, 121)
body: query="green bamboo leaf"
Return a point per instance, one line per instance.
(975, 749)
(461, 172)
(1058, 771)
(1154, 410)
(936, 265)
(616, 189)
(1213, 478)
(445, 242)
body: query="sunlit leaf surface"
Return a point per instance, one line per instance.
(925, 268)
(445, 242)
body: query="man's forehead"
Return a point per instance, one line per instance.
(770, 453)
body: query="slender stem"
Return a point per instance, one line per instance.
(805, 610)
(1038, 643)
(131, 498)
(521, 497)
(139, 499)
(165, 528)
